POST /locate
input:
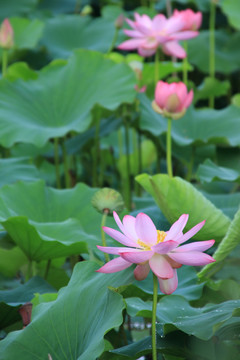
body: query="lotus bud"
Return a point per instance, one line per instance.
(6, 35)
(172, 100)
(26, 312)
(119, 21)
(107, 200)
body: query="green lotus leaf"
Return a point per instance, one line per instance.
(10, 300)
(73, 326)
(227, 52)
(66, 33)
(47, 223)
(27, 32)
(209, 171)
(227, 245)
(15, 169)
(60, 100)
(196, 127)
(16, 7)
(176, 196)
(175, 310)
(232, 9)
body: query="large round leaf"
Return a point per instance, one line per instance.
(73, 326)
(16, 7)
(209, 171)
(197, 126)
(26, 32)
(61, 98)
(66, 33)
(232, 9)
(47, 223)
(175, 310)
(176, 196)
(227, 52)
(227, 245)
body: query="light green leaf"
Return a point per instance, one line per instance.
(73, 326)
(196, 127)
(209, 171)
(27, 32)
(211, 87)
(16, 169)
(47, 223)
(66, 33)
(227, 52)
(176, 196)
(11, 261)
(16, 7)
(231, 8)
(175, 310)
(36, 110)
(229, 242)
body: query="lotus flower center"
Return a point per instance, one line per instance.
(161, 236)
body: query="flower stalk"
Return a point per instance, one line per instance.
(169, 148)
(212, 21)
(103, 222)
(154, 311)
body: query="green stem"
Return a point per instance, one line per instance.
(157, 65)
(168, 8)
(169, 148)
(185, 66)
(4, 62)
(154, 311)
(113, 41)
(96, 150)
(30, 270)
(127, 183)
(65, 163)
(47, 269)
(104, 218)
(212, 46)
(56, 160)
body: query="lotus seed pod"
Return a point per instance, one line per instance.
(108, 200)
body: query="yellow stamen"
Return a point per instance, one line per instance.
(143, 245)
(160, 236)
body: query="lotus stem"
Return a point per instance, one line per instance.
(56, 161)
(157, 65)
(4, 62)
(212, 46)
(169, 148)
(65, 163)
(113, 41)
(127, 183)
(104, 218)
(185, 66)
(168, 8)
(96, 150)
(47, 269)
(154, 311)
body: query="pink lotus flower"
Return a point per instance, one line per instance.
(172, 100)
(148, 34)
(190, 19)
(153, 249)
(6, 35)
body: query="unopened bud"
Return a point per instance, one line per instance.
(119, 21)
(6, 35)
(26, 312)
(87, 10)
(108, 200)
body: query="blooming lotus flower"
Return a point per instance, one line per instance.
(153, 249)
(148, 34)
(190, 19)
(172, 100)
(6, 35)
